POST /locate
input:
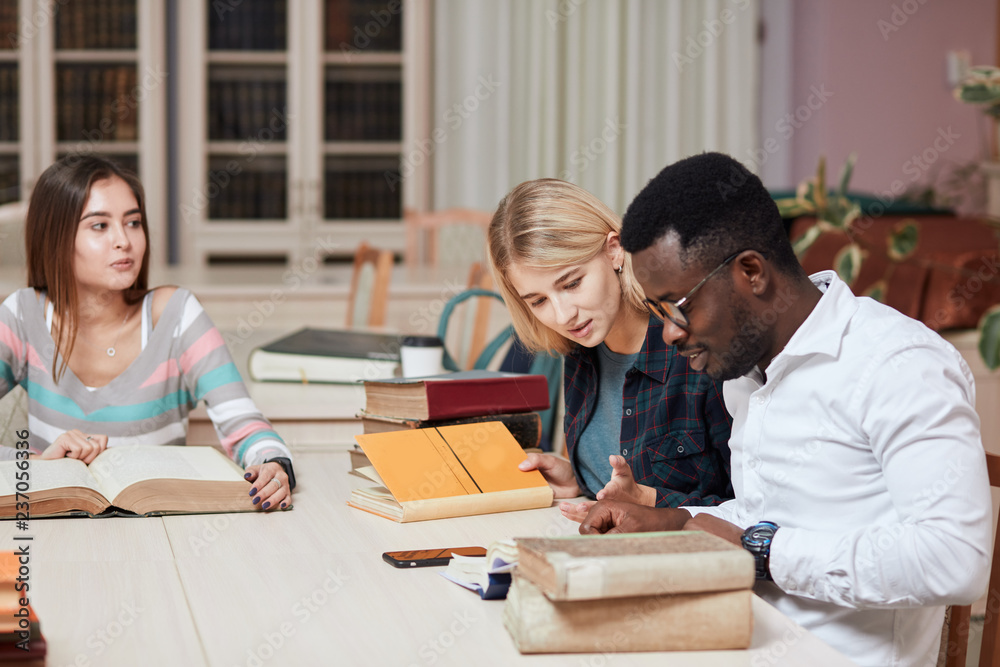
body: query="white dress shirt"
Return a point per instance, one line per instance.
(863, 446)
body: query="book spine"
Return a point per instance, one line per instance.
(456, 398)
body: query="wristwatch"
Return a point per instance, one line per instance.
(757, 540)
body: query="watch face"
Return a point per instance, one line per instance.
(759, 535)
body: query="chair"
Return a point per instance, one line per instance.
(369, 297)
(424, 237)
(955, 646)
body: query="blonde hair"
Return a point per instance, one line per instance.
(545, 224)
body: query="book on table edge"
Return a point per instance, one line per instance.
(326, 356)
(447, 471)
(487, 575)
(132, 481)
(718, 620)
(461, 394)
(587, 567)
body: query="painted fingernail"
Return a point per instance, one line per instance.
(253, 491)
(266, 505)
(283, 505)
(246, 476)
(256, 500)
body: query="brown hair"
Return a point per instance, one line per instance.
(54, 212)
(544, 224)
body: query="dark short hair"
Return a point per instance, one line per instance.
(716, 206)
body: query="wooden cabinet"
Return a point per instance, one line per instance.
(292, 117)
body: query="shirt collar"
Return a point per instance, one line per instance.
(823, 330)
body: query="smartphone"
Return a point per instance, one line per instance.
(428, 557)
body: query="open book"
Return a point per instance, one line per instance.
(141, 480)
(487, 575)
(447, 471)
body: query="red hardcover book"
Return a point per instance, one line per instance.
(453, 395)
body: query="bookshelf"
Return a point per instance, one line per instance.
(292, 126)
(94, 74)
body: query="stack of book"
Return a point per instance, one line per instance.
(465, 397)
(326, 355)
(673, 591)
(21, 640)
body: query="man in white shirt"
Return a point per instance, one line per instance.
(859, 474)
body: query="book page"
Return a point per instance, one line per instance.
(48, 474)
(117, 468)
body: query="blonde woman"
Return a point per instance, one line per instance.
(641, 425)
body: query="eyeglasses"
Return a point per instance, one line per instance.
(674, 310)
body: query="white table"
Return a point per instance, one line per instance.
(306, 587)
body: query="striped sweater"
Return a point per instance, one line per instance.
(183, 360)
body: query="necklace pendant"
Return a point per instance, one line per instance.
(111, 351)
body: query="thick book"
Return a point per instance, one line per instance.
(461, 394)
(588, 567)
(526, 427)
(487, 575)
(447, 471)
(326, 355)
(129, 481)
(720, 620)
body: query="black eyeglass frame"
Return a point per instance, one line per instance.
(661, 309)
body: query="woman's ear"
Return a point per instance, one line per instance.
(613, 246)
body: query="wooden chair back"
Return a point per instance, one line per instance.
(955, 650)
(369, 296)
(423, 233)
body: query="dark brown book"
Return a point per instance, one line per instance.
(526, 427)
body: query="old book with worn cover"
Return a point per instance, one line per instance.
(326, 355)
(447, 471)
(487, 575)
(461, 394)
(717, 620)
(129, 481)
(588, 567)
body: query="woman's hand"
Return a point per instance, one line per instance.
(76, 445)
(268, 486)
(623, 486)
(556, 471)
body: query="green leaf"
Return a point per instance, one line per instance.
(792, 208)
(801, 244)
(877, 291)
(989, 338)
(904, 239)
(819, 189)
(848, 263)
(846, 173)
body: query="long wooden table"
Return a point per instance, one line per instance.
(305, 587)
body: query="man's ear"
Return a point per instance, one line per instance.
(753, 273)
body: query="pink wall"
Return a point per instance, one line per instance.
(887, 94)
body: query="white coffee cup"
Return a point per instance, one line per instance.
(422, 355)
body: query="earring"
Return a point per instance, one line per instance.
(618, 269)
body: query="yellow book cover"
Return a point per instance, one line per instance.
(447, 471)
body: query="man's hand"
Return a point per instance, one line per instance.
(612, 516)
(716, 526)
(623, 486)
(557, 472)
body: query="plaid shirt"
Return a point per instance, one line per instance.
(675, 428)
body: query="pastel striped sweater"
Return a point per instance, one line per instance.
(183, 360)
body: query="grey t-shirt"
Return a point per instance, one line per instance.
(602, 435)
